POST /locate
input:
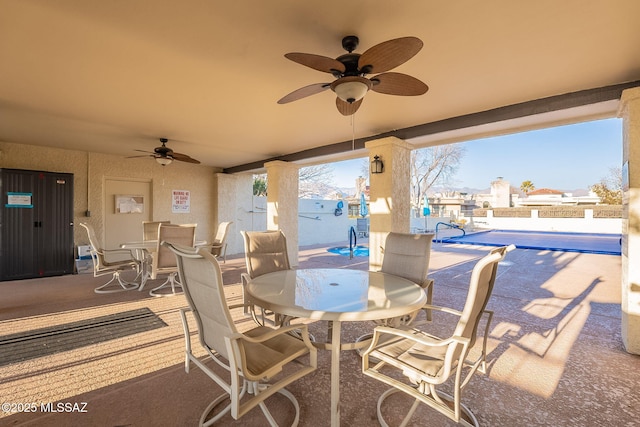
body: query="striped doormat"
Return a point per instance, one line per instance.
(46, 341)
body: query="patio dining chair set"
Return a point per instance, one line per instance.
(256, 359)
(148, 258)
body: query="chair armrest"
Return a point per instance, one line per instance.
(414, 335)
(106, 253)
(442, 309)
(244, 277)
(114, 251)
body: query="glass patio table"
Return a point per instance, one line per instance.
(336, 295)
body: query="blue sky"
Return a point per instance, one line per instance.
(563, 158)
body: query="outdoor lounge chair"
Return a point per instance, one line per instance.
(251, 358)
(110, 261)
(423, 362)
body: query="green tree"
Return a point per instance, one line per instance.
(260, 185)
(527, 187)
(609, 189)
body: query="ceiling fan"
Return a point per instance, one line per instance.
(165, 155)
(350, 70)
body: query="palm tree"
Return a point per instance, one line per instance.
(527, 187)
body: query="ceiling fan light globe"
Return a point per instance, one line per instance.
(352, 88)
(164, 161)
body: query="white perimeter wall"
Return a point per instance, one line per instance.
(317, 221)
(588, 224)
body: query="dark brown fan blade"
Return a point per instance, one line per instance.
(303, 92)
(387, 55)
(137, 157)
(347, 109)
(144, 151)
(398, 84)
(184, 158)
(317, 62)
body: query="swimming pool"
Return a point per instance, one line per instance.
(608, 244)
(358, 250)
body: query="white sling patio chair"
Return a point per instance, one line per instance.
(265, 252)
(150, 229)
(164, 261)
(424, 362)
(407, 256)
(110, 261)
(251, 358)
(219, 244)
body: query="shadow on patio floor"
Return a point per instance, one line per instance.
(556, 351)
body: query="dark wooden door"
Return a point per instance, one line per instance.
(36, 224)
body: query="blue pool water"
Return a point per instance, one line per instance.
(608, 244)
(358, 250)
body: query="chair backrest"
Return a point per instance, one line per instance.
(407, 256)
(93, 240)
(265, 252)
(183, 234)
(150, 229)
(95, 250)
(481, 283)
(221, 234)
(201, 280)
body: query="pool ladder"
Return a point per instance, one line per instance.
(456, 226)
(353, 241)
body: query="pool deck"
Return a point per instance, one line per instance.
(556, 353)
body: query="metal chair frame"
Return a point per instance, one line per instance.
(250, 358)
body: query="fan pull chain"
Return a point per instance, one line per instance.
(353, 132)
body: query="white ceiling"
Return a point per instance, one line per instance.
(114, 76)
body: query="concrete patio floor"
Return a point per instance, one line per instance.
(556, 355)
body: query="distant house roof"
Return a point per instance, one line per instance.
(544, 192)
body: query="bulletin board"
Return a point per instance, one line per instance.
(129, 204)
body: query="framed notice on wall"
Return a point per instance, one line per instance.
(180, 201)
(127, 204)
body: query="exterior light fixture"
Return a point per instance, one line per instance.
(351, 88)
(376, 165)
(164, 161)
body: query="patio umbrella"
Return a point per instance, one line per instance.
(363, 206)
(426, 211)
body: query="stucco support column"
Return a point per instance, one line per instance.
(630, 113)
(282, 203)
(389, 194)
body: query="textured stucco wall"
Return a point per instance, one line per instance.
(91, 169)
(390, 203)
(630, 112)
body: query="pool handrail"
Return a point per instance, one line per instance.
(450, 225)
(352, 244)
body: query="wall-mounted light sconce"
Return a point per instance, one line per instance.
(376, 165)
